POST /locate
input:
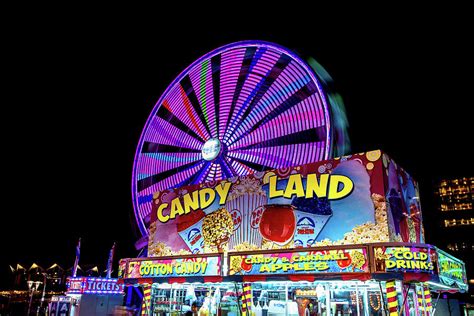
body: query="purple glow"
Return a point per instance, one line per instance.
(260, 100)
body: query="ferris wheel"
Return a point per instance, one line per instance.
(242, 108)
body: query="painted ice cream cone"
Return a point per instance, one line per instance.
(311, 216)
(190, 230)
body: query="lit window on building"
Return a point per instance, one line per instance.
(458, 222)
(462, 246)
(456, 194)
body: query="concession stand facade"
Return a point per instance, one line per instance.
(336, 237)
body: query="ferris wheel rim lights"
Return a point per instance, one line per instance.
(212, 148)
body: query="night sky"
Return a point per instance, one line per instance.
(78, 98)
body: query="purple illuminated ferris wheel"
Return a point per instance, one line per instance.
(242, 108)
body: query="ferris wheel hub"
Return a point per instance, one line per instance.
(211, 149)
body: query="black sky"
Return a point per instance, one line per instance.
(78, 94)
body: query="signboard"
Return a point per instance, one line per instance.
(59, 306)
(301, 262)
(173, 267)
(405, 259)
(355, 199)
(451, 271)
(86, 285)
(63, 308)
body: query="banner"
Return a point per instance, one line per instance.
(110, 261)
(76, 261)
(59, 306)
(176, 267)
(452, 271)
(313, 262)
(405, 259)
(354, 199)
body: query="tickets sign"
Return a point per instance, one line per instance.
(179, 267)
(405, 259)
(325, 261)
(85, 285)
(452, 272)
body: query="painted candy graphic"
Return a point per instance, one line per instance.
(343, 201)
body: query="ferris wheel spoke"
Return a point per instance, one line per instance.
(287, 84)
(253, 165)
(154, 179)
(161, 132)
(302, 94)
(169, 117)
(226, 169)
(215, 172)
(243, 75)
(191, 94)
(200, 174)
(150, 147)
(296, 119)
(151, 163)
(262, 88)
(270, 154)
(291, 155)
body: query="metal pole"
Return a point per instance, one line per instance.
(31, 299)
(405, 298)
(328, 299)
(44, 289)
(366, 302)
(436, 304)
(382, 299)
(357, 300)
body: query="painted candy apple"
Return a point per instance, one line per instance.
(344, 263)
(278, 223)
(246, 266)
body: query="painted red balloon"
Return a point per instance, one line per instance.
(278, 223)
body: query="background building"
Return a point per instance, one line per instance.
(456, 220)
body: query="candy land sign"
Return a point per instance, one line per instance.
(327, 261)
(342, 201)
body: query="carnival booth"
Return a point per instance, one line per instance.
(336, 237)
(93, 296)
